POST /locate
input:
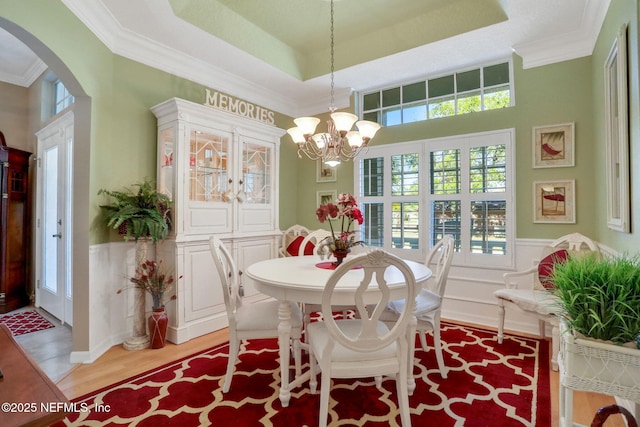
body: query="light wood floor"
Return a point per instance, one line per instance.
(118, 364)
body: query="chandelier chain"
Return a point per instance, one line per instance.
(332, 106)
(339, 142)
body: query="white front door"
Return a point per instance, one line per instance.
(53, 219)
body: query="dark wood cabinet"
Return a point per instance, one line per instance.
(25, 384)
(15, 214)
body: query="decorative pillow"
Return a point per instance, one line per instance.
(294, 247)
(545, 268)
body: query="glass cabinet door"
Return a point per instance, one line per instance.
(167, 152)
(256, 173)
(209, 167)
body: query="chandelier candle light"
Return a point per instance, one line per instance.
(339, 142)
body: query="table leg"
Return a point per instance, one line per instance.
(411, 380)
(284, 335)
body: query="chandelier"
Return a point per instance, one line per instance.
(339, 142)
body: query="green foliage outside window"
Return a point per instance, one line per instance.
(479, 89)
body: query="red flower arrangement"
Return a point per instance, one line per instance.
(151, 277)
(346, 211)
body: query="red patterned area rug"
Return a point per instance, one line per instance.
(489, 384)
(25, 322)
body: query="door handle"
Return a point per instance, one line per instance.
(59, 235)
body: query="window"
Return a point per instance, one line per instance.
(617, 134)
(483, 88)
(371, 185)
(461, 186)
(404, 175)
(62, 97)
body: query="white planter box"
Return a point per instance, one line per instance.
(598, 366)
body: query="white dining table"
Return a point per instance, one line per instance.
(300, 279)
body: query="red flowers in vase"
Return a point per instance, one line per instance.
(152, 278)
(346, 212)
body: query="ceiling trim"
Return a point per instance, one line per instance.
(295, 98)
(34, 71)
(128, 44)
(572, 45)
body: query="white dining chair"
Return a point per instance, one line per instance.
(429, 301)
(257, 320)
(364, 346)
(530, 290)
(314, 237)
(291, 239)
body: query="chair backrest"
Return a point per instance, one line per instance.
(439, 260)
(314, 237)
(228, 273)
(291, 239)
(575, 242)
(374, 264)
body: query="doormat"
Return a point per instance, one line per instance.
(25, 322)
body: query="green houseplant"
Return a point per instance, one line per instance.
(600, 297)
(599, 320)
(138, 212)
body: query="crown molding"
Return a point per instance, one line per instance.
(571, 45)
(121, 41)
(248, 78)
(34, 71)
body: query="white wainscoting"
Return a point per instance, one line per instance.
(468, 298)
(469, 294)
(110, 312)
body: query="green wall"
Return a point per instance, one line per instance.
(122, 138)
(122, 141)
(115, 135)
(620, 12)
(548, 95)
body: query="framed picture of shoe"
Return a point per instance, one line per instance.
(553, 146)
(554, 201)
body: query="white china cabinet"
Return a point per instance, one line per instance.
(221, 173)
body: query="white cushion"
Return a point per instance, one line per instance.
(426, 302)
(263, 316)
(319, 337)
(541, 302)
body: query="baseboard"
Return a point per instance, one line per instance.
(91, 355)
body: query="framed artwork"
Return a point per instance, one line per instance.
(554, 201)
(553, 146)
(616, 94)
(324, 197)
(325, 173)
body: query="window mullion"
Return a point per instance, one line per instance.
(465, 201)
(388, 200)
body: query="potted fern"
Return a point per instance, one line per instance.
(600, 321)
(138, 212)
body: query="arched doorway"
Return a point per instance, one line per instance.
(80, 186)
